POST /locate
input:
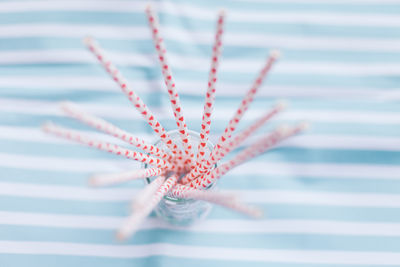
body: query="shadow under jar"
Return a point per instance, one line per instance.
(179, 211)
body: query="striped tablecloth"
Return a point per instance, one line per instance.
(331, 196)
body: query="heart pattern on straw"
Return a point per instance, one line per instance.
(95, 48)
(210, 94)
(170, 83)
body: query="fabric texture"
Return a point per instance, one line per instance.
(331, 196)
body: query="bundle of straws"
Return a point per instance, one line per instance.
(180, 174)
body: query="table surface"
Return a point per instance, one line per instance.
(331, 196)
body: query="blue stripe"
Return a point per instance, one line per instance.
(281, 79)
(16, 175)
(272, 211)
(138, 19)
(74, 150)
(324, 183)
(229, 51)
(26, 204)
(189, 101)
(351, 128)
(236, 240)
(295, 6)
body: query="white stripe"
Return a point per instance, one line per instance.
(320, 170)
(202, 64)
(198, 252)
(209, 226)
(201, 37)
(343, 142)
(65, 164)
(252, 196)
(312, 141)
(320, 198)
(87, 5)
(66, 192)
(117, 112)
(70, 83)
(190, 11)
(393, 96)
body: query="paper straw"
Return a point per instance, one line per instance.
(215, 154)
(116, 178)
(135, 99)
(111, 148)
(210, 94)
(131, 225)
(226, 200)
(182, 191)
(102, 125)
(170, 83)
(238, 139)
(252, 151)
(303, 126)
(143, 197)
(242, 136)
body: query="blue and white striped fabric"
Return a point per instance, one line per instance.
(331, 196)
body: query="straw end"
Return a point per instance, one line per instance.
(222, 12)
(93, 182)
(66, 105)
(258, 213)
(149, 8)
(88, 40)
(130, 226)
(304, 126)
(46, 126)
(275, 54)
(120, 236)
(282, 104)
(282, 129)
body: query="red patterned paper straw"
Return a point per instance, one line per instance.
(252, 151)
(102, 125)
(182, 191)
(135, 99)
(239, 138)
(169, 81)
(111, 148)
(116, 178)
(143, 197)
(226, 200)
(217, 152)
(210, 94)
(131, 225)
(248, 153)
(297, 129)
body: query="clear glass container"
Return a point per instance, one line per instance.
(178, 211)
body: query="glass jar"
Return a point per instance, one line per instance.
(178, 211)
